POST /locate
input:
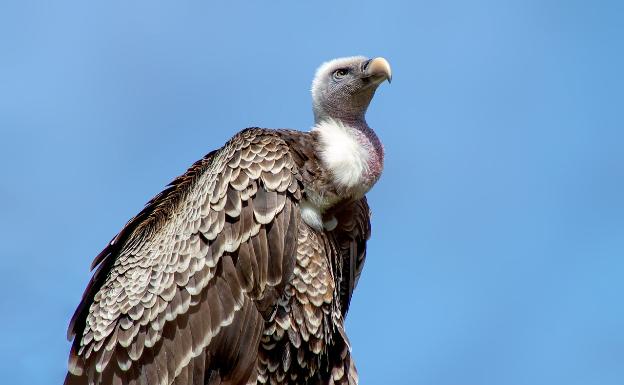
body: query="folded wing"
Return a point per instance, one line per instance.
(180, 295)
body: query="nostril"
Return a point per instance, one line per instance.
(365, 64)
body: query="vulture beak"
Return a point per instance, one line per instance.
(379, 69)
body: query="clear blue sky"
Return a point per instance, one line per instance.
(497, 255)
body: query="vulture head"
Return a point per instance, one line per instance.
(343, 88)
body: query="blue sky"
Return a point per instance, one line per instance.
(497, 254)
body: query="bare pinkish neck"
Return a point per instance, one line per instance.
(369, 140)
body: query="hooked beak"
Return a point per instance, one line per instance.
(378, 69)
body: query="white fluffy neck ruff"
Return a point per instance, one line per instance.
(343, 153)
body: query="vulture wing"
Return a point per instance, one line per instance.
(181, 294)
(350, 237)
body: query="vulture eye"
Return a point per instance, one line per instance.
(340, 73)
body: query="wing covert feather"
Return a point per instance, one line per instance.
(208, 253)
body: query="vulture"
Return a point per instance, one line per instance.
(241, 271)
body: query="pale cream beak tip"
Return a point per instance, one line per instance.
(379, 66)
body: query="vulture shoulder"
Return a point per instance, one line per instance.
(187, 284)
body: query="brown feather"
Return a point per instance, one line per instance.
(215, 263)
